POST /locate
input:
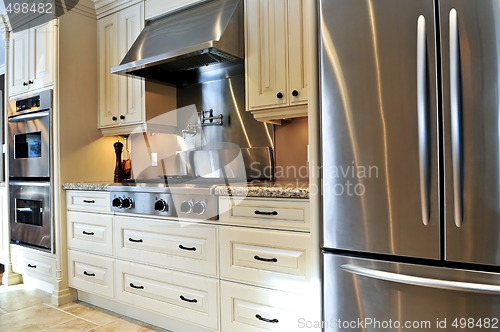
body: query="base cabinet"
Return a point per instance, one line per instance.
(180, 295)
(217, 275)
(252, 309)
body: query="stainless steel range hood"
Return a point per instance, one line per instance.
(187, 42)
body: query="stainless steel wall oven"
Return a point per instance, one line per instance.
(29, 138)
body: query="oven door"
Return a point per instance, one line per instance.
(30, 214)
(29, 155)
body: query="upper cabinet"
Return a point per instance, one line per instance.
(276, 58)
(126, 103)
(156, 8)
(120, 98)
(32, 58)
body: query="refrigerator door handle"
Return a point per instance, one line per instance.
(423, 143)
(423, 282)
(456, 153)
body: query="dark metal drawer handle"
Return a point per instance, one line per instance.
(259, 317)
(133, 240)
(32, 266)
(273, 260)
(187, 248)
(136, 287)
(264, 213)
(188, 300)
(89, 202)
(89, 274)
(87, 233)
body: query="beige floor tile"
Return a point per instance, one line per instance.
(129, 325)
(74, 325)
(90, 313)
(34, 318)
(17, 297)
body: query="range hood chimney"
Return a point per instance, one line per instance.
(187, 42)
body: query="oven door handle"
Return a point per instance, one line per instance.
(29, 116)
(29, 183)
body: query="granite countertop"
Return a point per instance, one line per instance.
(265, 189)
(278, 189)
(90, 186)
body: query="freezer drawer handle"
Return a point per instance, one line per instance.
(423, 144)
(273, 260)
(188, 300)
(456, 136)
(267, 320)
(265, 213)
(423, 282)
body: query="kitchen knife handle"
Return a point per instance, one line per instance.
(455, 110)
(421, 281)
(423, 143)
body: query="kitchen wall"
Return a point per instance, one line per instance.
(290, 139)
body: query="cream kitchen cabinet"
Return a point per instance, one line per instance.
(276, 58)
(32, 58)
(120, 98)
(123, 101)
(157, 8)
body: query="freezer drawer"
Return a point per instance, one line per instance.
(368, 295)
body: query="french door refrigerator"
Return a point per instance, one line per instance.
(410, 139)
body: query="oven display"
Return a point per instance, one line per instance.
(29, 212)
(28, 145)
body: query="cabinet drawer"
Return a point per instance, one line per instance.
(33, 265)
(253, 309)
(276, 259)
(183, 246)
(279, 213)
(91, 273)
(176, 294)
(90, 231)
(88, 201)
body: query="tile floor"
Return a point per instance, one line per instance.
(24, 309)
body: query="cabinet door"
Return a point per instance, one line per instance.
(108, 83)
(19, 58)
(130, 101)
(298, 47)
(266, 31)
(41, 54)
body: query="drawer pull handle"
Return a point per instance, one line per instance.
(273, 260)
(267, 320)
(89, 274)
(89, 202)
(188, 300)
(134, 240)
(187, 248)
(265, 213)
(32, 266)
(136, 287)
(87, 233)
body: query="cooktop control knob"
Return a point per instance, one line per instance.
(127, 203)
(186, 206)
(199, 207)
(117, 202)
(161, 205)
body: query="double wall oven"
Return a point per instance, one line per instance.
(29, 138)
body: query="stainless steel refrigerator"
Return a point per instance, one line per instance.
(410, 139)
